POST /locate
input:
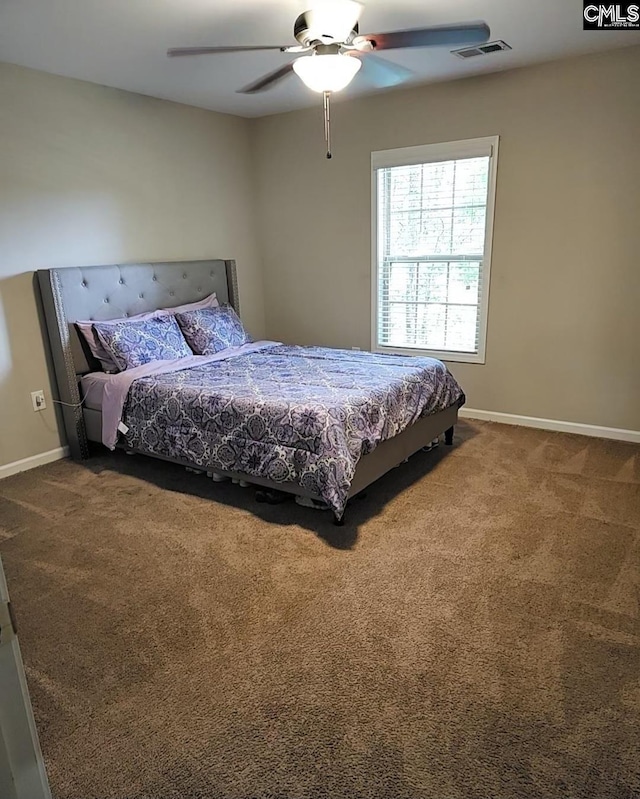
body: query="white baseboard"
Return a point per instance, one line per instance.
(33, 461)
(616, 433)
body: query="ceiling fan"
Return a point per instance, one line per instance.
(333, 51)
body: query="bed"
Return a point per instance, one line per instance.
(257, 383)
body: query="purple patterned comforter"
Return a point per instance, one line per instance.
(290, 414)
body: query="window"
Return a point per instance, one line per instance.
(433, 222)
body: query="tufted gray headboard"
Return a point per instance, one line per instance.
(110, 292)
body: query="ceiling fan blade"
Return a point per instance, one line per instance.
(382, 73)
(334, 19)
(437, 36)
(179, 51)
(268, 81)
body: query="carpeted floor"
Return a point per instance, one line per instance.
(471, 632)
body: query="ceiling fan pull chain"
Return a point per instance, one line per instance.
(326, 101)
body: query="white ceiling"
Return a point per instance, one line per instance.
(122, 43)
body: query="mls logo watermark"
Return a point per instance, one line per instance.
(611, 16)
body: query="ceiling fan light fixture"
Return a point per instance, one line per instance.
(327, 73)
(332, 20)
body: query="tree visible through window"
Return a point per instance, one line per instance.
(432, 226)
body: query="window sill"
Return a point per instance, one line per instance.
(441, 355)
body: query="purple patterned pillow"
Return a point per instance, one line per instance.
(95, 345)
(212, 330)
(132, 344)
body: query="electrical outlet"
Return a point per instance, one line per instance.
(357, 349)
(38, 400)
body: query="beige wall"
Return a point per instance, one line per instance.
(564, 321)
(94, 175)
(91, 175)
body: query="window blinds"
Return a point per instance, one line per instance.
(431, 229)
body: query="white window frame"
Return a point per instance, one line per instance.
(430, 153)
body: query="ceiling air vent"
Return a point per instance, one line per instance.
(482, 49)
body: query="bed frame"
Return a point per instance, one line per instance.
(110, 292)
